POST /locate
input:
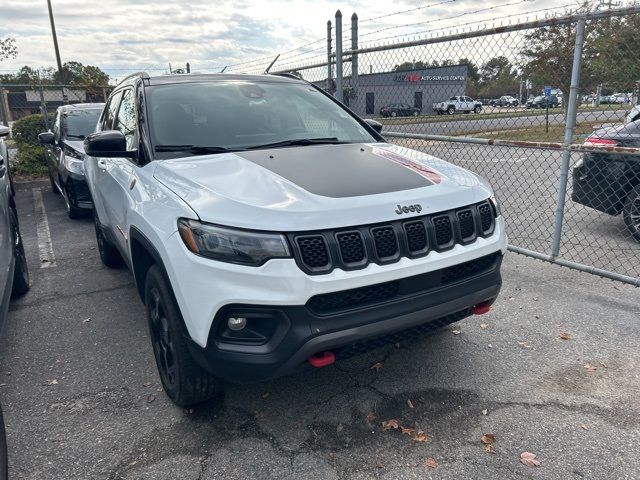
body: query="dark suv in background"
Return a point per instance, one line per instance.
(399, 110)
(65, 154)
(542, 101)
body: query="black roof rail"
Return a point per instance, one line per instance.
(288, 75)
(143, 75)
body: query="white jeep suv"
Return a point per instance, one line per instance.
(267, 226)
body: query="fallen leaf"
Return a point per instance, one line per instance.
(407, 430)
(524, 344)
(489, 448)
(490, 346)
(146, 384)
(603, 364)
(420, 436)
(52, 382)
(86, 320)
(456, 331)
(376, 366)
(485, 411)
(258, 414)
(151, 398)
(488, 438)
(590, 368)
(431, 463)
(379, 465)
(483, 325)
(265, 395)
(565, 336)
(529, 459)
(389, 424)
(370, 417)
(409, 403)
(584, 427)
(339, 428)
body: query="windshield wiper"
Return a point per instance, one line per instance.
(81, 137)
(197, 149)
(299, 141)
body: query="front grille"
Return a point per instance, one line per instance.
(486, 217)
(328, 303)
(467, 224)
(444, 232)
(313, 250)
(403, 336)
(353, 248)
(385, 241)
(416, 234)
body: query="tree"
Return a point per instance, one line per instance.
(473, 76)
(407, 66)
(8, 48)
(498, 77)
(75, 73)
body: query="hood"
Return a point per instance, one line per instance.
(319, 186)
(77, 145)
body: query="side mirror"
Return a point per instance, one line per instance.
(4, 131)
(377, 126)
(46, 138)
(109, 143)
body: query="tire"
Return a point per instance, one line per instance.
(184, 381)
(477, 109)
(109, 254)
(21, 271)
(394, 114)
(451, 110)
(631, 212)
(54, 187)
(415, 114)
(73, 212)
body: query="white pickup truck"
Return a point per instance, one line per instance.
(457, 104)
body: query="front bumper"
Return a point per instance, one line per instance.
(76, 190)
(206, 289)
(303, 333)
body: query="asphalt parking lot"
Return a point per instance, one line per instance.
(82, 398)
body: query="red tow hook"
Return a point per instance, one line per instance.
(481, 308)
(322, 359)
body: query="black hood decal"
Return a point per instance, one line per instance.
(347, 170)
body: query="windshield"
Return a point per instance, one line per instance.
(80, 123)
(235, 115)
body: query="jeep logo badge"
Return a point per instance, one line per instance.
(409, 208)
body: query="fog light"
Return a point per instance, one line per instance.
(236, 323)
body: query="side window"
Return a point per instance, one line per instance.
(453, 99)
(126, 120)
(110, 112)
(56, 127)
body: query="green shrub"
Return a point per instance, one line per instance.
(30, 161)
(25, 131)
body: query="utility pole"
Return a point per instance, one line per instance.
(188, 68)
(55, 42)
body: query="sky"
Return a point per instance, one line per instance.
(123, 36)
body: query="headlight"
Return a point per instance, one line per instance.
(73, 165)
(230, 245)
(496, 205)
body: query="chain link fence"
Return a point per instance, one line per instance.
(545, 110)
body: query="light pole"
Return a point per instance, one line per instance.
(55, 41)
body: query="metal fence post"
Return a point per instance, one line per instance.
(329, 69)
(3, 114)
(339, 91)
(568, 135)
(354, 56)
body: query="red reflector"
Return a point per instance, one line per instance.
(481, 308)
(600, 141)
(323, 359)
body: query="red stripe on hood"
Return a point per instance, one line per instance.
(409, 163)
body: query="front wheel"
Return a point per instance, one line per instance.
(183, 379)
(394, 114)
(415, 114)
(631, 212)
(477, 109)
(451, 110)
(54, 187)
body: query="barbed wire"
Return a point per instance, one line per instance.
(406, 11)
